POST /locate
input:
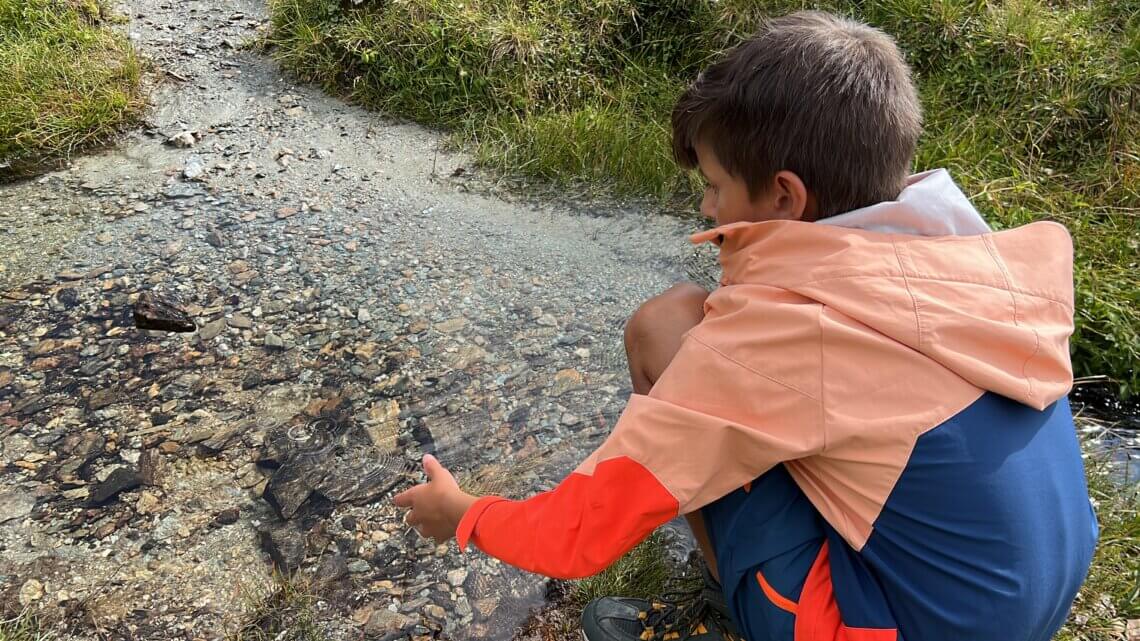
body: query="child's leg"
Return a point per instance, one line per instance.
(652, 337)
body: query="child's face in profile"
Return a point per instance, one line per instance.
(727, 199)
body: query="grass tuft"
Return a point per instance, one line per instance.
(24, 627)
(1032, 104)
(67, 81)
(641, 573)
(283, 611)
(1110, 597)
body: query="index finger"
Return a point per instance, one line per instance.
(405, 498)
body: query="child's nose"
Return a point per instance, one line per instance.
(708, 208)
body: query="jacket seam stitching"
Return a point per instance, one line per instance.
(919, 276)
(910, 292)
(746, 367)
(822, 383)
(1016, 320)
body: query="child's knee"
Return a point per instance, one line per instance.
(667, 316)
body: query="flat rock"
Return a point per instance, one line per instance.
(285, 544)
(120, 480)
(211, 329)
(383, 620)
(15, 504)
(154, 312)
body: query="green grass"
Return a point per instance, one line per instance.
(282, 611)
(1032, 104)
(67, 81)
(24, 627)
(1111, 595)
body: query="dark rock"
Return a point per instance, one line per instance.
(152, 312)
(287, 490)
(102, 398)
(332, 569)
(214, 237)
(285, 545)
(34, 405)
(251, 380)
(228, 516)
(120, 480)
(67, 298)
(152, 467)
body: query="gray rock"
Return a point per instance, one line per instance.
(384, 620)
(273, 341)
(358, 566)
(15, 504)
(184, 139)
(285, 544)
(211, 330)
(194, 168)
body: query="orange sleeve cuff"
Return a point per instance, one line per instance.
(466, 527)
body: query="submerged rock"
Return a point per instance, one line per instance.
(153, 312)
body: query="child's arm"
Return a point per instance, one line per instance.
(708, 427)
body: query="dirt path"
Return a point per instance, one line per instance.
(356, 302)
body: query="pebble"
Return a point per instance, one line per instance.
(30, 592)
(457, 577)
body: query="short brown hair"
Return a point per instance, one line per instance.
(825, 97)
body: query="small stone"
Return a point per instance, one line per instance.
(194, 168)
(183, 140)
(287, 212)
(30, 592)
(457, 577)
(76, 494)
(383, 620)
(363, 316)
(147, 503)
(211, 330)
(240, 321)
(285, 545)
(358, 566)
(452, 325)
(214, 237)
(350, 245)
(104, 238)
(566, 380)
(154, 312)
(547, 320)
(15, 504)
(228, 516)
(569, 419)
(436, 612)
(172, 249)
(273, 341)
(102, 398)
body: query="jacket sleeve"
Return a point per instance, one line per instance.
(708, 426)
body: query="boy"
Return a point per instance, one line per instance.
(866, 424)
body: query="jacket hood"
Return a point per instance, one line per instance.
(996, 309)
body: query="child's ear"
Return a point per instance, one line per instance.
(791, 198)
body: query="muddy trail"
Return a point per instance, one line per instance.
(351, 295)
